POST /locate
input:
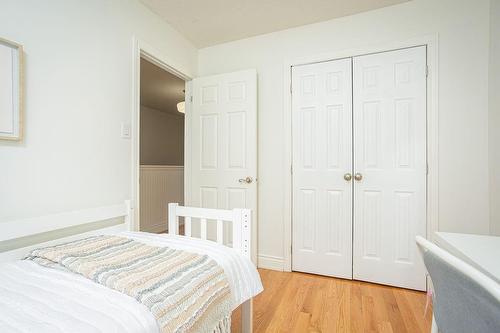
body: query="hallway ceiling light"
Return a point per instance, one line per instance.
(181, 106)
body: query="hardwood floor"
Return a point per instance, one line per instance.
(298, 302)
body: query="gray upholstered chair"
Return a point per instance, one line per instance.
(465, 300)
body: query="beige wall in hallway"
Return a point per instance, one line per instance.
(162, 137)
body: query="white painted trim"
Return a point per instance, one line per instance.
(147, 51)
(271, 262)
(431, 41)
(188, 144)
(141, 48)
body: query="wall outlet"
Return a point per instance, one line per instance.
(125, 130)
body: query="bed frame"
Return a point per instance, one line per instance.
(241, 230)
(21, 230)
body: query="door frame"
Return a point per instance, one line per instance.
(432, 195)
(142, 49)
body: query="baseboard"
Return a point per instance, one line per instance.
(271, 262)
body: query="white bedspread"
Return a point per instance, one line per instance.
(38, 299)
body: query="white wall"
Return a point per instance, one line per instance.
(78, 90)
(463, 99)
(162, 137)
(494, 120)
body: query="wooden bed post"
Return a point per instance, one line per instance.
(173, 219)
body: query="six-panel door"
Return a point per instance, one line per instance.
(389, 95)
(224, 145)
(322, 156)
(359, 145)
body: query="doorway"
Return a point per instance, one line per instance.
(359, 167)
(161, 144)
(220, 139)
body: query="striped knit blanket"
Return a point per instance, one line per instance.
(186, 292)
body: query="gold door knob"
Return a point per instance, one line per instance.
(347, 177)
(358, 176)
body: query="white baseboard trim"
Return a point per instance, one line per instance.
(270, 262)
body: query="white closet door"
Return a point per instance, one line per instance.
(390, 153)
(224, 145)
(322, 155)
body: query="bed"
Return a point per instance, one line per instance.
(37, 298)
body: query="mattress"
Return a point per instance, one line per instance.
(39, 299)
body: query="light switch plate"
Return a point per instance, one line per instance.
(125, 130)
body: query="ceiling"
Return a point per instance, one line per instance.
(159, 89)
(210, 22)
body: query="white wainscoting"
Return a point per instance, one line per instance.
(159, 185)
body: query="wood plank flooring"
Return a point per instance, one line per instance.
(298, 302)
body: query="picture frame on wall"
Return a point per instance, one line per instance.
(11, 90)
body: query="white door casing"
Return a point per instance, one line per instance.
(389, 95)
(322, 155)
(223, 140)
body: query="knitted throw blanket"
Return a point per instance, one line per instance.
(186, 292)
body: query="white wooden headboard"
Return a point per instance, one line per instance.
(33, 226)
(240, 220)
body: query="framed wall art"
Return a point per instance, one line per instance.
(11, 90)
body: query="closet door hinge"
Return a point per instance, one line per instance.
(427, 168)
(290, 88)
(191, 99)
(427, 71)
(291, 169)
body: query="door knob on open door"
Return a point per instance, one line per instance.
(358, 176)
(247, 180)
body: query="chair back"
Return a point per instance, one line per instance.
(465, 300)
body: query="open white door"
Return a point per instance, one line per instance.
(222, 154)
